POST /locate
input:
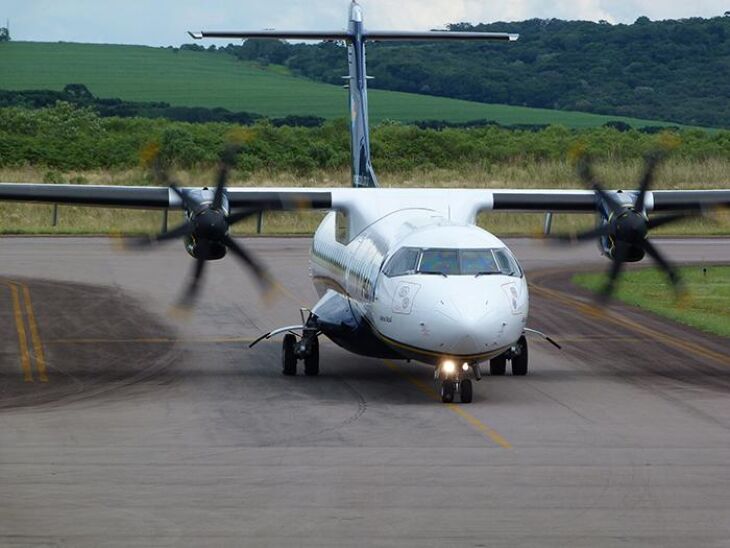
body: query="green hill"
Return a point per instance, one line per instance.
(191, 78)
(668, 70)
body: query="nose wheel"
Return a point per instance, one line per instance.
(449, 389)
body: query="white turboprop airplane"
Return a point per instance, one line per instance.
(401, 273)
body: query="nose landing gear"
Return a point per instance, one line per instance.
(456, 381)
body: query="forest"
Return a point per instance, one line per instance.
(674, 70)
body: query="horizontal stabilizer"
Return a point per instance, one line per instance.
(274, 34)
(345, 35)
(439, 35)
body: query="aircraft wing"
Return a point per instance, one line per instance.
(292, 199)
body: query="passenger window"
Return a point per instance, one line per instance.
(402, 263)
(342, 232)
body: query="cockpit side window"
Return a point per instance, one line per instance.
(507, 263)
(403, 262)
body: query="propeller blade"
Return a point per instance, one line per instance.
(228, 160)
(597, 232)
(650, 164)
(613, 275)
(191, 292)
(585, 171)
(668, 269)
(259, 271)
(668, 219)
(220, 186)
(180, 231)
(241, 216)
(187, 200)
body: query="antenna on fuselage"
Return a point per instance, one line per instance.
(363, 174)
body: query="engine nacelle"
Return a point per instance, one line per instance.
(607, 245)
(215, 250)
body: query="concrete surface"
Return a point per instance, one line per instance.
(156, 431)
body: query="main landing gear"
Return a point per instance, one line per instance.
(518, 355)
(305, 349)
(455, 380)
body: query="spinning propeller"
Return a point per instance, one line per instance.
(206, 227)
(625, 230)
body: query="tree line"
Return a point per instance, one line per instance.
(675, 70)
(68, 137)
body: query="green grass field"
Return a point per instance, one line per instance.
(185, 78)
(707, 306)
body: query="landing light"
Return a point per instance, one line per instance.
(448, 367)
(465, 367)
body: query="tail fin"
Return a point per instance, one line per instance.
(363, 174)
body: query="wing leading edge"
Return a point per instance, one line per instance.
(292, 199)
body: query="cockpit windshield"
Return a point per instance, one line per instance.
(448, 262)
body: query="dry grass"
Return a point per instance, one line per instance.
(676, 174)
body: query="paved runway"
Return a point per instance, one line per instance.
(139, 429)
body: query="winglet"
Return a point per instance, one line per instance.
(195, 35)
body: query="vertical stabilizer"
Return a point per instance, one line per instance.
(363, 174)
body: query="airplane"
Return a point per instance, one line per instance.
(403, 274)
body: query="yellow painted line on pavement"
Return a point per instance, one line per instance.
(40, 358)
(474, 422)
(625, 322)
(22, 337)
(483, 428)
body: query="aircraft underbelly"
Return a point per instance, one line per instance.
(341, 323)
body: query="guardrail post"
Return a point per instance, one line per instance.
(548, 223)
(55, 215)
(259, 222)
(165, 214)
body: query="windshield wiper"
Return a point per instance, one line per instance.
(485, 273)
(435, 274)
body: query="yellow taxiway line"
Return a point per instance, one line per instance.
(26, 356)
(631, 325)
(22, 337)
(480, 426)
(40, 358)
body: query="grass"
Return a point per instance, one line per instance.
(677, 173)
(707, 307)
(187, 78)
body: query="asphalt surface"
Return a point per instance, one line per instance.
(123, 426)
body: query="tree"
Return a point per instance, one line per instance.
(5, 34)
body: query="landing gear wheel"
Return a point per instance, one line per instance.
(465, 391)
(447, 391)
(311, 362)
(288, 357)
(519, 362)
(498, 365)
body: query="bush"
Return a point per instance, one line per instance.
(65, 137)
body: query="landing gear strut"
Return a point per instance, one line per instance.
(306, 349)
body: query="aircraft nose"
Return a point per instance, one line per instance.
(474, 322)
